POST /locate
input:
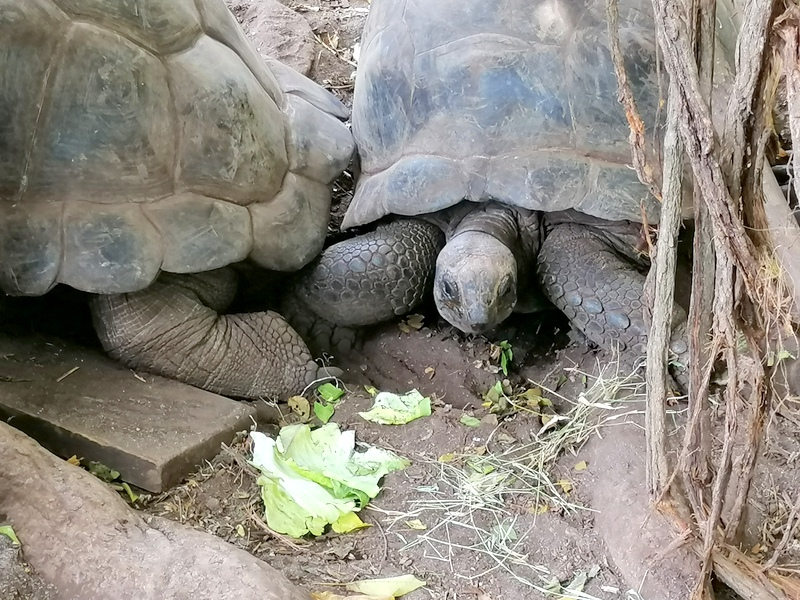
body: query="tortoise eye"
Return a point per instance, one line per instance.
(449, 289)
(505, 288)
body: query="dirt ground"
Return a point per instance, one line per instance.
(17, 580)
(467, 534)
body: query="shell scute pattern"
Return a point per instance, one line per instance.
(141, 135)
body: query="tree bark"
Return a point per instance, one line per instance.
(81, 537)
(664, 291)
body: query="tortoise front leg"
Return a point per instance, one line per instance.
(364, 280)
(602, 294)
(174, 328)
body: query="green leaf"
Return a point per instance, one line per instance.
(391, 586)
(349, 522)
(312, 479)
(8, 531)
(495, 393)
(330, 392)
(577, 584)
(506, 356)
(324, 411)
(562, 379)
(394, 409)
(130, 493)
(503, 532)
(469, 421)
(102, 472)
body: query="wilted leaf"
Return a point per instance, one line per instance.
(480, 467)
(495, 393)
(415, 321)
(102, 472)
(574, 588)
(300, 406)
(774, 358)
(240, 530)
(392, 586)
(551, 422)
(131, 495)
(566, 486)
(562, 379)
(577, 584)
(430, 372)
(394, 409)
(323, 411)
(446, 458)
(503, 532)
(74, 460)
(581, 466)
(329, 392)
(469, 421)
(553, 586)
(371, 390)
(532, 396)
(504, 438)
(416, 524)
(349, 522)
(490, 420)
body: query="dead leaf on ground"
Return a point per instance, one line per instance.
(300, 406)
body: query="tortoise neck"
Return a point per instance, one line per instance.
(492, 219)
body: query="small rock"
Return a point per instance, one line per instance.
(277, 31)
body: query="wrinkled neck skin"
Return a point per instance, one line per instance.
(480, 269)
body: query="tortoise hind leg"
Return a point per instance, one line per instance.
(364, 280)
(174, 328)
(602, 294)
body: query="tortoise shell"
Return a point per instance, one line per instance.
(142, 135)
(511, 100)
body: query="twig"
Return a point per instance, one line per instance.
(789, 31)
(788, 534)
(722, 478)
(759, 403)
(750, 52)
(696, 473)
(698, 136)
(661, 325)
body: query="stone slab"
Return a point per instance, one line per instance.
(152, 430)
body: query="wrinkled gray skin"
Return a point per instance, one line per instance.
(498, 122)
(144, 148)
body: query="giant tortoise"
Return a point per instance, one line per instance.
(474, 119)
(141, 137)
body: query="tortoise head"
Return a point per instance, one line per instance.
(475, 286)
